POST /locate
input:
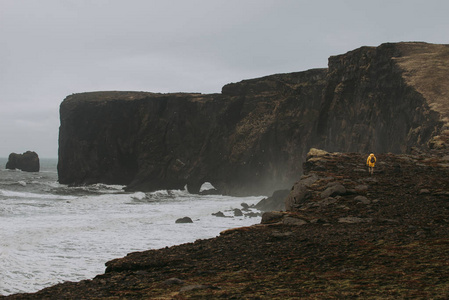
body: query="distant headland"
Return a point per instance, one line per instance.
(253, 137)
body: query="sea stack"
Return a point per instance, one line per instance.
(28, 161)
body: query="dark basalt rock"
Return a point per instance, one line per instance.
(219, 214)
(275, 202)
(253, 137)
(184, 220)
(28, 162)
(238, 212)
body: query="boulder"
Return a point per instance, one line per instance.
(315, 153)
(275, 202)
(252, 214)
(300, 192)
(271, 217)
(333, 190)
(238, 212)
(184, 220)
(245, 206)
(219, 214)
(28, 162)
(362, 199)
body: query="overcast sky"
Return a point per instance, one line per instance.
(52, 48)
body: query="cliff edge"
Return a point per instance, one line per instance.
(253, 137)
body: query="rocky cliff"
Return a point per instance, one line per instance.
(253, 137)
(388, 98)
(248, 139)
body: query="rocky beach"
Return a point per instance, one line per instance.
(384, 236)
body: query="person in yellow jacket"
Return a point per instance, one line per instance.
(371, 162)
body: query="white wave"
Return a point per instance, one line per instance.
(115, 187)
(138, 196)
(169, 194)
(100, 188)
(52, 184)
(10, 182)
(44, 242)
(207, 186)
(49, 171)
(28, 195)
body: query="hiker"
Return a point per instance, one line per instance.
(371, 161)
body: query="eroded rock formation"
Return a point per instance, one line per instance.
(254, 136)
(28, 162)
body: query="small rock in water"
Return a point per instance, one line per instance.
(219, 214)
(238, 212)
(27, 162)
(184, 220)
(252, 214)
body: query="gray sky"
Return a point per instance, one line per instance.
(52, 48)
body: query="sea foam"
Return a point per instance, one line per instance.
(53, 233)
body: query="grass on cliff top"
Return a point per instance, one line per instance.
(122, 95)
(427, 69)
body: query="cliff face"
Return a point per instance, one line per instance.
(241, 140)
(253, 137)
(370, 106)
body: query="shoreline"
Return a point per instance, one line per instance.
(391, 243)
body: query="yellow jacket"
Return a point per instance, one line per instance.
(368, 160)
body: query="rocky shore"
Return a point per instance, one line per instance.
(384, 236)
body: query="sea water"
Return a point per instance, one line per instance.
(51, 233)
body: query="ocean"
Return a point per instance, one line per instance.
(52, 233)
